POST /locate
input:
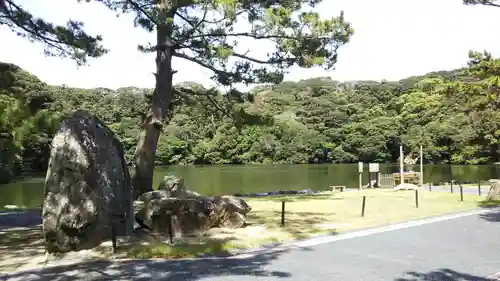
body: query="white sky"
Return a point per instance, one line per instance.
(394, 39)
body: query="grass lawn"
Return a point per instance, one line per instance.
(308, 216)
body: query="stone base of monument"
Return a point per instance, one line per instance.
(187, 213)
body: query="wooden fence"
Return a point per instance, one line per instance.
(391, 180)
(386, 181)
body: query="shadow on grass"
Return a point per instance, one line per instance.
(21, 237)
(149, 247)
(18, 247)
(263, 230)
(164, 270)
(440, 275)
(297, 224)
(489, 203)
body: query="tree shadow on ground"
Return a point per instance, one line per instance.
(493, 216)
(165, 270)
(443, 274)
(22, 245)
(21, 238)
(19, 246)
(264, 230)
(297, 224)
(489, 204)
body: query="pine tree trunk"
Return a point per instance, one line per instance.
(144, 158)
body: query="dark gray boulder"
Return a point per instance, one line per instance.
(87, 188)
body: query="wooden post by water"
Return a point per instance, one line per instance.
(282, 213)
(360, 172)
(363, 204)
(451, 186)
(416, 198)
(479, 188)
(461, 192)
(170, 228)
(401, 166)
(421, 179)
(113, 236)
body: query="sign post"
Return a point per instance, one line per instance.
(373, 168)
(360, 172)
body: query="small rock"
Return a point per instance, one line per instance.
(10, 207)
(173, 186)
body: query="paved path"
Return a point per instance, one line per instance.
(465, 248)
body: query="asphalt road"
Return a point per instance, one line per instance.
(466, 248)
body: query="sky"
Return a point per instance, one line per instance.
(393, 39)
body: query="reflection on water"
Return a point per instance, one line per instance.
(230, 179)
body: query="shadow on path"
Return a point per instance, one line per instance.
(186, 270)
(442, 274)
(493, 216)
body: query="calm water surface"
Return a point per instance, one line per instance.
(230, 179)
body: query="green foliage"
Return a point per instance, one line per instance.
(209, 33)
(455, 117)
(206, 32)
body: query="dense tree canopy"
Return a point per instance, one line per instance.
(454, 114)
(208, 33)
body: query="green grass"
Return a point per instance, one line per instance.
(489, 203)
(307, 216)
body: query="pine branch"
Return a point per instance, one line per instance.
(67, 41)
(144, 12)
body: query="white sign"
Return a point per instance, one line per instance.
(373, 167)
(360, 167)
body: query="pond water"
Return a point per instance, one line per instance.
(230, 179)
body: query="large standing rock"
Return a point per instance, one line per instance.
(87, 186)
(494, 193)
(191, 213)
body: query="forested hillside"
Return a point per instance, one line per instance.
(453, 114)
